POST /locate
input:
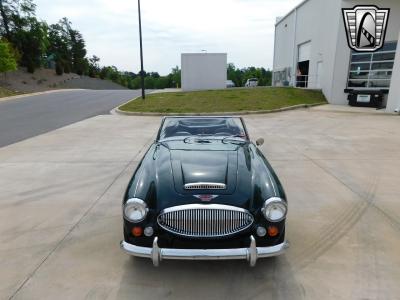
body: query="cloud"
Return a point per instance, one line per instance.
(242, 28)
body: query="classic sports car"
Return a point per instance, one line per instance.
(204, 191)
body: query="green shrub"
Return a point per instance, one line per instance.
(149, 82)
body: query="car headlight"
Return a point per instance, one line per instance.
(135, 210)
(274, 209)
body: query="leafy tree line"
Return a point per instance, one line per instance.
(7, 60)
(31, 43)
(240, 76)
(34, 43)
(152, 80)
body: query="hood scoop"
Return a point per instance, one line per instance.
(202, 171)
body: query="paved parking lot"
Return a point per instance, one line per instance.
(60, 213)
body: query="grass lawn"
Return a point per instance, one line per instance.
(6, 93)
(229, 100)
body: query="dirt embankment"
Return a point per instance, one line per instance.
(85, 82)
(47, 79)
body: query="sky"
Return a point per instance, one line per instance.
(242, 28)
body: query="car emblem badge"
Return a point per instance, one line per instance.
(206, 198)
(366, 27)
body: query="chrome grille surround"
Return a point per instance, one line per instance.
(205, 186)
(205, 220)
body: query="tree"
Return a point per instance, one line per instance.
(67, 46)
(78, 51)
(5, 14)
(59, 68)
(73, 50)
(113, 73)
(136, 83)
(240, 76)
(57, 45)
(104, 72)
(24, 31)
(94, 67)
(11, 11)
(176, 77)
(32, 42)
(7, 59)
(154, 74)
(161, 83)
(131, 84)
(149, 82)
(235, 75)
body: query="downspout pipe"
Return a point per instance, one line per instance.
(274, 62)
(294, 72)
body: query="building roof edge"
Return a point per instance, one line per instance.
(281, 19)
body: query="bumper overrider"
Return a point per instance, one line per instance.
(251, 254)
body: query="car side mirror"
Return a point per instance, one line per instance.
(260, 142)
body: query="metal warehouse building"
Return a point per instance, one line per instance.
(311, 51)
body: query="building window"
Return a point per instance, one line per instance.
(282, 78)
(372, 71)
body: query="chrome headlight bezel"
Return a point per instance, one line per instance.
(274, 202)
(137, 205)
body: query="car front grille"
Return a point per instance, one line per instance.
(205, 221)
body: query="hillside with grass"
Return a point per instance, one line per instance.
(21, 81)
(6, 92)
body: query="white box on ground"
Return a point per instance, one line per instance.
(203, 71)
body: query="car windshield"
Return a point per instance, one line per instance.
(203, 127)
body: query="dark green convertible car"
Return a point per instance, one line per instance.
(204, 191)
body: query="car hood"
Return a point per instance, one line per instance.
(160, 177)
(204, 166)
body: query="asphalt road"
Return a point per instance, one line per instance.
(33, 115)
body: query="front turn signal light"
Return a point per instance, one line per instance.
(137, 231)
(272, 231)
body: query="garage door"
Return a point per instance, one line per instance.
(304, 51)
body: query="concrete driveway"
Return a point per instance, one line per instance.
(60, 214)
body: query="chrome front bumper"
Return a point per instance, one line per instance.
(250, 254)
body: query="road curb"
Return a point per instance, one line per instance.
(117, 111)
(258, 112)
(360, 112)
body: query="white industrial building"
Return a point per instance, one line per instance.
(311, 51)
(203, 71)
